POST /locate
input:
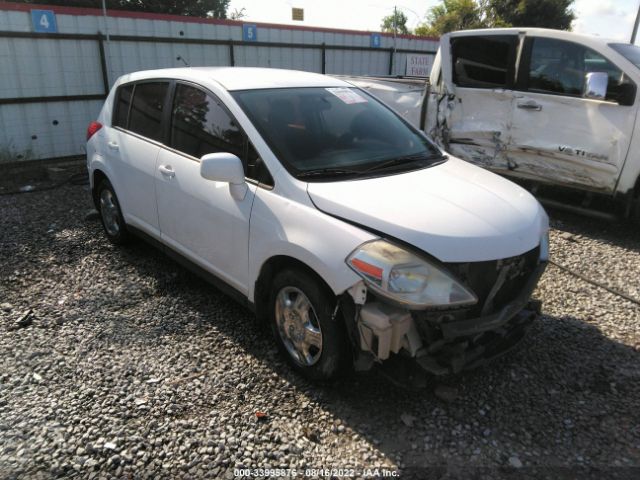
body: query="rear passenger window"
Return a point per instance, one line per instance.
(121, 108)
(146, 111)
(199, 125)
(483, 62)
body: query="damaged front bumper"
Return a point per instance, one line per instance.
(440, 342)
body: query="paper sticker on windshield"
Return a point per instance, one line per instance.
(347, 95)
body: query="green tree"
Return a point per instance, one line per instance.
(532, 13)
(192, 8)
(400, 23)
(453, 15)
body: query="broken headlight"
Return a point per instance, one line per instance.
(404, 278)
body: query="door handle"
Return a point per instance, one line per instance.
(113, 146)
(167, 171)
(530, 106)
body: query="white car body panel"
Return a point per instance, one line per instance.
(297, 229)
(200, 218)
(494, 218)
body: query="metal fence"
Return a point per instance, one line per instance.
(53, 84)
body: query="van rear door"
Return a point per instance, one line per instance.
(473, 97)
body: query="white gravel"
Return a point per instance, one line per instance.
(132, 367)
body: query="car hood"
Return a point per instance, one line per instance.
(454, 211)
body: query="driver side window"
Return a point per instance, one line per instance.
(199, 124)
(559, 67)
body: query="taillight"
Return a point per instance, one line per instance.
(92, 129)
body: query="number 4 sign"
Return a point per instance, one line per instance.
(44, 21)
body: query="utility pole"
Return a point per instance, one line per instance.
(395, 27)
(106, 31)
(635, 27)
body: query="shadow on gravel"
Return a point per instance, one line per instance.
(565, 388)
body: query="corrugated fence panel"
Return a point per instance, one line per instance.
(350, 62)
(33, 68)
(28, 130)
(36, 68)
(279, 57)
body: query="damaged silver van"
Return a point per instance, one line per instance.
(548, 108)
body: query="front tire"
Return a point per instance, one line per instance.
(301, 310)
(110, 214)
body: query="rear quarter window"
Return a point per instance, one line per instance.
(122, 105)
(146, 109)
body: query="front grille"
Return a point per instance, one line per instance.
(481, 277)
(450, 352)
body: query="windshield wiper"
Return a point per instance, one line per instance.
(408, 159)
(329, 171)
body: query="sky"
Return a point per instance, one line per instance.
(607, 18)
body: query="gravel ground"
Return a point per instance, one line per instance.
(129, 366)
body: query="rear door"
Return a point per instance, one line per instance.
(199, 218)
(133, 147)
(474, 113)
(558, 136)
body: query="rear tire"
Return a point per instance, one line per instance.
(113, 223)
(300, 309)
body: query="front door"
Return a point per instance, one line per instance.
(557, 136)
(199, 218)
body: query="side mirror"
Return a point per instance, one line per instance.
(225, 167)
(595, 85)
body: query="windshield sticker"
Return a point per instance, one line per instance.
(347, 95)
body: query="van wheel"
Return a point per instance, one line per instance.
(301, 310)
(114, 227)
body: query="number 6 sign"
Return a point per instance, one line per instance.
(44, 21)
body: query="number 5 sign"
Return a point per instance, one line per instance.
(44, 21)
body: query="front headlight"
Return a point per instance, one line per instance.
(404, 278)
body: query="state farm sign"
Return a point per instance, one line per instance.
(418, 65)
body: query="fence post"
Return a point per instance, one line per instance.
(232, 59)
(391, 61)
(103, 64)
(324, 58)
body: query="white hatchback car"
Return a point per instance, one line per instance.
(322, 210)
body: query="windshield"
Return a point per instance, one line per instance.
(334, 132)
(628, 51)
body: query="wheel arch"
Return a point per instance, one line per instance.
(270, 268)
(96, 178)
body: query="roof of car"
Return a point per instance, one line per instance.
(241, 78)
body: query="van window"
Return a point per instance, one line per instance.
(199, 125)
(483, 62)
(122, 104)
(146, 111)
(560, 67)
